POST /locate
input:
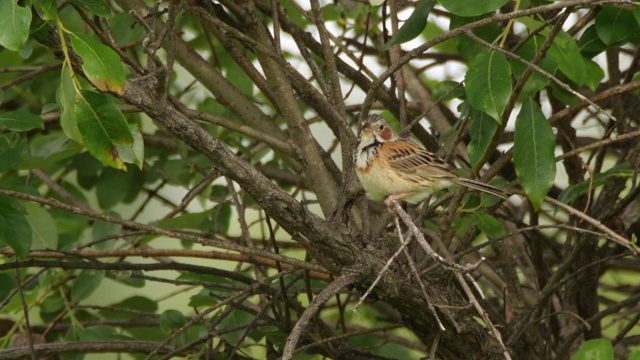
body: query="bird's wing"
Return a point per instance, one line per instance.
(412, 161)
(415, 164)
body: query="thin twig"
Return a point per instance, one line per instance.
(239, 296)
(425, 245)
(330, 291)
(416, 274)
(459, 272)
(380, 273)
(346, 336)
(29, 76)
(434, 347)
(615, 237)
(25, 310)
(598, 144)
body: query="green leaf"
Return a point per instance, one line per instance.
(101, 333)
(171, 319)
(13, 148)
(43, 228)
(481, 130)
(488, 224)
(86, 283)
(15, 29)
(536, 81)
(294, 14)
(562, 95)
(471, 8)
(200, 221)
(50, 148)
(27, 49)
(49, 108)
(102, 126)
(635, 355)
(112, 187)
(234, 319)
(533, 153)
(331, 12)
(488, 83)
(571, 193)
(102, 229)
(468, 48)
(7, 283)
(594, 74)
(596, 349)
(15, 230)
(133, 154)
(202, 299)
(129, 278)
(570, 61)
(66, 98)
(448, 89)
(222, 218)
(212, 283)
(414, 24)
(590, 44)
(137, 303)
(48, 8)
(615, 25)
(51, 306)
(101, 64)
(20, 121)
(97, 7)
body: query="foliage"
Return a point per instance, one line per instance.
(176, 178)
(594, 349)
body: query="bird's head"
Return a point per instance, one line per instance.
(376, 128)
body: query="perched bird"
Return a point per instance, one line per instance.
(393, 168)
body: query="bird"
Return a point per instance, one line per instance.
(394, 168)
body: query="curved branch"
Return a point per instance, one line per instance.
(614, 236)
(326, 294)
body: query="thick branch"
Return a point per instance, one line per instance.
(85, 347)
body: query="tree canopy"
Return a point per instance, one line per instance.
(176, 179)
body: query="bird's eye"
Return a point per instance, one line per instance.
(381, 127)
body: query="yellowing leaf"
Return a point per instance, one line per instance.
(101, 64)
(103, 127)
(133, 154)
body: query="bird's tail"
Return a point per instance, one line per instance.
(480, 186)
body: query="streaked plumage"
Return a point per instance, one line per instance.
(388, 165)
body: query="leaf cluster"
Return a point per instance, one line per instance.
(176, 178)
